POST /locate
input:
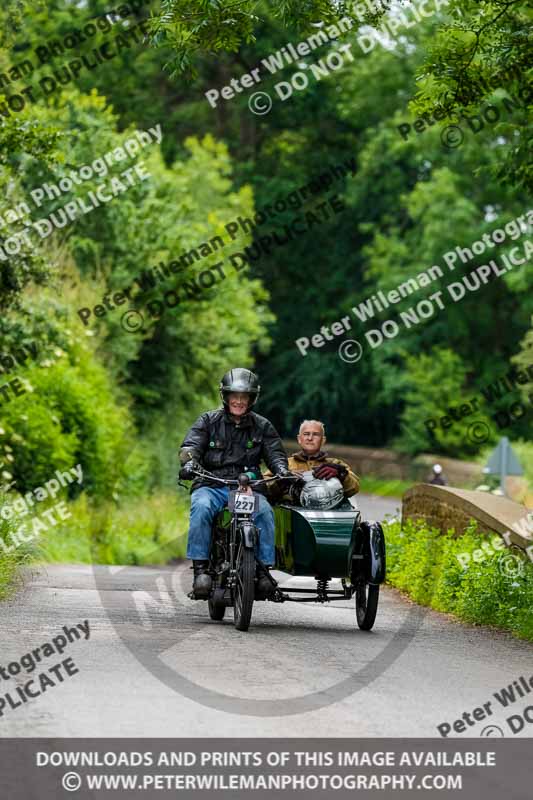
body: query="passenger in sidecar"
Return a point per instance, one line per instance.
(319, 532)
(315, 465)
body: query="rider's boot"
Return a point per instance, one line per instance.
(266, 585)
(202, 580)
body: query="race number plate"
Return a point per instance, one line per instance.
(242, 503)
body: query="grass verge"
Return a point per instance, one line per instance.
(385, 488)
(146, 530)
(141, 530)
(11, 558)
(423, 562)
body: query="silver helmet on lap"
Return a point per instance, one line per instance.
(322, 495)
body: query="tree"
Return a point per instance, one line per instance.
(485, 47)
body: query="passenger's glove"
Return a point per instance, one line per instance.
(326, 471)
(186, 473)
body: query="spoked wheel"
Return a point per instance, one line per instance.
(366, 604)
(216, 610)
(243, 593)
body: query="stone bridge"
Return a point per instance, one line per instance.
(444, 507)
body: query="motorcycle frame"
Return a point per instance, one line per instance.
(240, 532)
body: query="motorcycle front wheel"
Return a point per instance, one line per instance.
(244, 590)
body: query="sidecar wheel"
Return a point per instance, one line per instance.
(216, 610)
(244, 590)
(366, 604)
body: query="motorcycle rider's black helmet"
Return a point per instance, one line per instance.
(240, 380)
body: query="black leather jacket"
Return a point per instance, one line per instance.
(226, 448)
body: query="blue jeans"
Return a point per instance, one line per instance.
(205, 504)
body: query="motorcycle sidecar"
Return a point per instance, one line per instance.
(331, 544)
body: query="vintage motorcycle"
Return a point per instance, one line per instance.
(308, 542)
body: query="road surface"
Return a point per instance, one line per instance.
(156, 665)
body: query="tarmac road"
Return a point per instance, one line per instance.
(156, 665)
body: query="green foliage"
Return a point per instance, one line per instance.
(193, 27)
(77, 412)
(392, 227)
(69, 415)
(424, 563)
(393, 488)
(148, 530)
(119, 403)
(21, 134)
(481, 40)
(433, 383)
(524, 360)
(410, 202)
(11, 559)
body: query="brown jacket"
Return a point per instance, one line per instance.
(299, 462)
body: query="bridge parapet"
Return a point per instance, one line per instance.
(444, 507)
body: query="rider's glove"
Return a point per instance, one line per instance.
(186, 473)
(294, 491)
(283, 472)
(326, 471)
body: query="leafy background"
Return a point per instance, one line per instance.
(119, 403)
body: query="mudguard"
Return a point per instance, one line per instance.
(249, 534)
(367, 541)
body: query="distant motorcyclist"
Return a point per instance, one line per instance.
(437, 478)
(227, 442)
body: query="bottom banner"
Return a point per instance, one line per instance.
(47, 769)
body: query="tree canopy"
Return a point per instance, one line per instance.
(396, 145)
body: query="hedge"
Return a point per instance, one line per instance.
(495, 591)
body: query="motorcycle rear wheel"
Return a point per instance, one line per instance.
(244, 591)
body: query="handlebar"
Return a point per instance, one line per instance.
(243, 479)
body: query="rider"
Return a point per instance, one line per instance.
(437, 478)
(311, 457)
(227, 442)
